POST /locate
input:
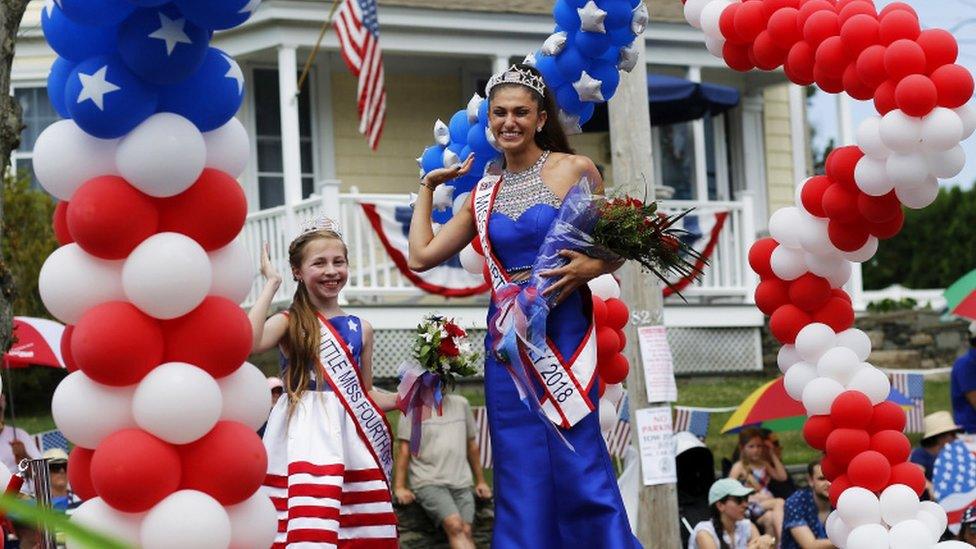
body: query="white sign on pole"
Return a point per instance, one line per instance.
(658, 366)
(656, 445)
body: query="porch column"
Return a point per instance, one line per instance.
(291, 156)
(754, 155)
(798, 133)
(698, 135)
(500, 63)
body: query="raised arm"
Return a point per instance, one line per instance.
(266, 332)
(428, 250)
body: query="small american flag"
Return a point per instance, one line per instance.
(52, 439)
(695, 420)
(482, 437)
(954, 481)
(358, 31)
(912, 385)
(618, 437)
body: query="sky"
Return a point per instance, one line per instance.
(956, 16)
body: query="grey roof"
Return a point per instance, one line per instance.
(661, 10)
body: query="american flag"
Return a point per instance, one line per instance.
(954, 481)
(695, 420)
(912, 385)
(618, 437)
(358, 30)
(52, 439)
(482, 437)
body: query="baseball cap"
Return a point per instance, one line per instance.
(726, 487)
(55, 455)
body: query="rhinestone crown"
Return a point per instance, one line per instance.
(516, 75)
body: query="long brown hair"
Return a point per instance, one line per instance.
(552, 137)
(302, 342)
(745, 436)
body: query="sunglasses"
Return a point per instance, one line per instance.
(57, 467)
(738, 499)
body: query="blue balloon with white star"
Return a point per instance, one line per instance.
(106, 99)
(56, 81)
(161, 46)
(459, 127)
(432, 159)
(219, 80)
(608, 75)
(73, 40)
(100, 13)
(218, 14)
(148, 3)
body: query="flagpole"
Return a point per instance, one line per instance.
(311, 58)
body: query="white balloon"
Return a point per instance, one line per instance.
(784, 225)
(967, 114)
(863, 253)
(868, 536)
(899, 132)
(177, 402)
(608, 416)
(823, 265)
(937, 511)
(471, 260)
(910, 534)
(942, 129)
(787, 263)
(188, 519)
(715, 45)
(605, 287)
(65, 157)
(163, 156)
(814, 237)
(872, 382)
(933, 524)
(898, 503)
(787, 356)
(797, 378)
(460, 201)
(253, 523)
(871, 176)
(837, 531)
(919, 196)
(233, 271)
(710, 16)
(858, 506)
(946, 164)
(839, 364)
(103, 518)
(857, 341)
(87, 411)
(693, 12)
(814, 340)
(5, 475)
(952, 544)
(167, 275)
(818, 396)
(228, 148)
(245, 396)
(72, 281)
(840, 274)
(907, 170)
(869, 138)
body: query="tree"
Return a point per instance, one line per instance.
(28, 239)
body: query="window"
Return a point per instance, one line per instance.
(267, 116)
(37, 114)
(678, 162)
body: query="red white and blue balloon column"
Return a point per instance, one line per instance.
(161, 405)
(922, 98)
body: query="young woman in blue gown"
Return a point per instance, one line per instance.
(547, 495)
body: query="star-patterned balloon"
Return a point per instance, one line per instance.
(530, 60)
(570, 123)
(218, 14)
(592, 17)
(473, 105)
(628, 58)
(588, 88)
(57, 79)
(555, 43)
(639, 23)
(98, 13)
(72, 40)
(161, 46)
(105, 99)
(220, 80)
(442, 135)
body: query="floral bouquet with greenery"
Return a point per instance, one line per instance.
(441, 354)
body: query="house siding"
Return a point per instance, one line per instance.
(780, 179)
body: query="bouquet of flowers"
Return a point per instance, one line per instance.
(441, 353)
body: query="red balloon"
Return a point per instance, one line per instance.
(898, 24)
(622, 337)
(599, 311)
(851, 410)
(855, 8)
(831, 56)
(843, 444)
(759, 255)
(840, 294)
(228, 463)
(614, 370)
(133, 470)
(884, 98)
(837, 487)
(859, 33)
(826, 81)
(116, 344)
(821, 25)
(79, 472)
(878, 209)
(60, 224)
(854, 86)
(476, 244)
(726, 24)
(783, 28)
(749, 20)
(916, 95)
(869, 470)
(211, 211)
(799, 64)
(910, 475)
(888, 228)
(830, 470)
(887, 416)
(816, 430)
(955, 85)
(770, 7)
(766, 53)
(811, 7)
(940, 48)
(897, 6)
(737, 56)
(108, 218)
(837, 313)
(893, 445)
(809, 292)
(617, 313)
(904, 57)
(811, 196)
(871, 66)
(847, 237)
(607, 343)
(841, 163)
(216, 337)
(840, 203)
(771, 294)
(66, 356)
(787, 321)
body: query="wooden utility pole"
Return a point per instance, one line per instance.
(630, 142)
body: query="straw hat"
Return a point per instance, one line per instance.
(939, 423)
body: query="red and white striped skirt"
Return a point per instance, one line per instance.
(325, 484)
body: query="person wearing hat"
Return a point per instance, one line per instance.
(967, 528)
(62, 498)
(962, 385)
(728, 500)
(939, 431)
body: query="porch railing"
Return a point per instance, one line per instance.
(374, 278)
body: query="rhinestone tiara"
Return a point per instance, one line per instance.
(320, 223)
(516, 75)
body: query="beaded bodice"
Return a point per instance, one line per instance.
(523, 189)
